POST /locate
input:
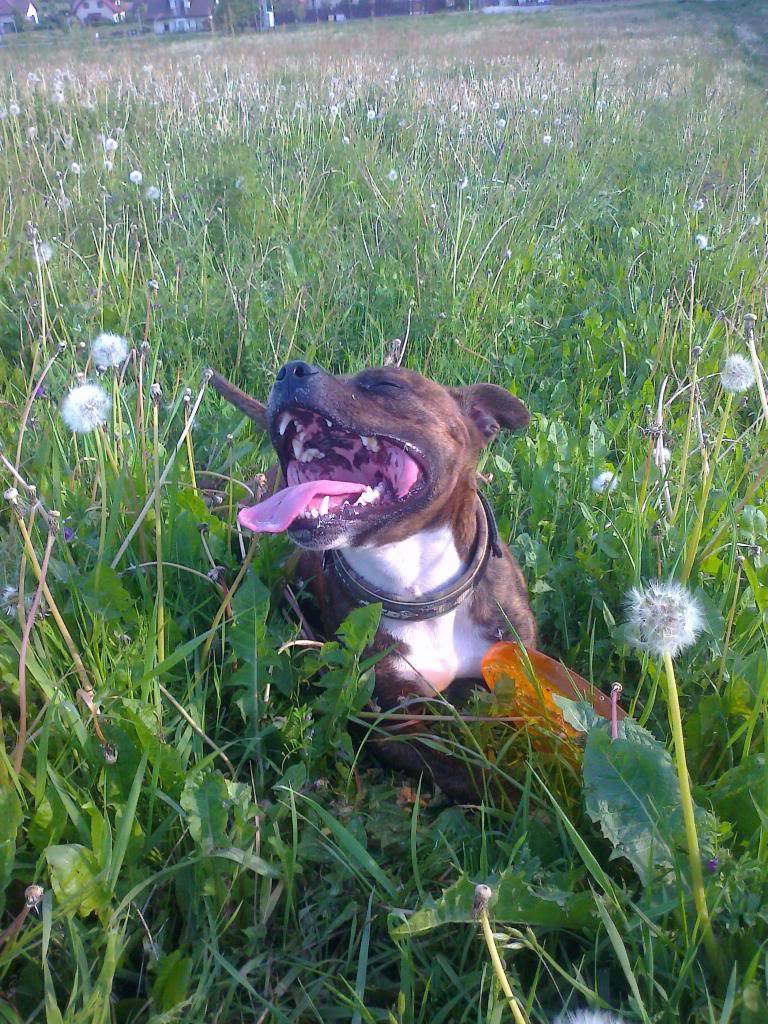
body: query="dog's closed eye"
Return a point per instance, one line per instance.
(381, 385)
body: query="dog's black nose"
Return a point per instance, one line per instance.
(296, 368)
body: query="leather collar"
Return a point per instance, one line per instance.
(436, 602)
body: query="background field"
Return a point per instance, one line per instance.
(515, 199)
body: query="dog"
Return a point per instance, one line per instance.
(380, 493)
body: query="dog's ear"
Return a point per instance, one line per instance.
(491, 409)
(250, 406)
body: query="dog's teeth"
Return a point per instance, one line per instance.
(371, 443)
(314, 513)
(329, 423)
(298, 447)
(325, 504)
(308, 454)
(282, 424)
(368, 497)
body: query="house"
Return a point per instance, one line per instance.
(12, 12)
(95, 12)
(180, 15)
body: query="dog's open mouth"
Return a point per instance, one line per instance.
(333, 476)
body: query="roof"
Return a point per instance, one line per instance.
(11, 7)
(112, 5)
(157, 9)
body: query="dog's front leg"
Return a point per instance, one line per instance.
(407, 744)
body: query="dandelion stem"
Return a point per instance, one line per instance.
(227, 598)
(749, 324)
(103, 488)
(158, 536)
(21, 738)
(706, 487)
(28, 405)
(66, 635)
(498, 968)
(682, 489)
(164, 476)
(689, 820)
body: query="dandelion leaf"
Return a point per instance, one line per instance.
(206, 801)
(631, 792)
(519, 899)
(75, 878)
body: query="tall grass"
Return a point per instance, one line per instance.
(515, 200)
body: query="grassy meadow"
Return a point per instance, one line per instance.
(571, 203)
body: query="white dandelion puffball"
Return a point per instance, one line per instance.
(663, 617)
(546, 140)
(153, 192)
(702, 242)
(698, 205)
(75, 168)
(136, 177)
(587, 1017)
(371, 115)
(110, 145)
(392, 175)
(109, 350)
(737, 374)
(108, 165)
(85, 408)
(605, 482)
(43, 253)
(14, 109)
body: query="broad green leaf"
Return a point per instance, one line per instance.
(631, 791)
(741, 793)
(518, 899)
(359, 627)
(171, 984)
(10, 818)
(76, 880)
(205, 799)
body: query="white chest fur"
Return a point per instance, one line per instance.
(439, 650)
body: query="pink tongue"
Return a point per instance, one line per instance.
(278, 512)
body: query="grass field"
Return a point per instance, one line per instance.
(571, 203)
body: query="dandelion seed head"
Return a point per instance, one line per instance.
(371, 115)
(501, 123)
(605, 482)
(153, 192)
(9, 598)
(698, 205)
(136, 177)
(702, 242)
(737, 374)
(85, 408)
(392, 175)
(32, 133)
(75, 168)
(546, 140)
(587, 1017)
(663, 617)
(14, 109)
(110, 145)
(108, 165)
(43, 253)
(109, 350)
